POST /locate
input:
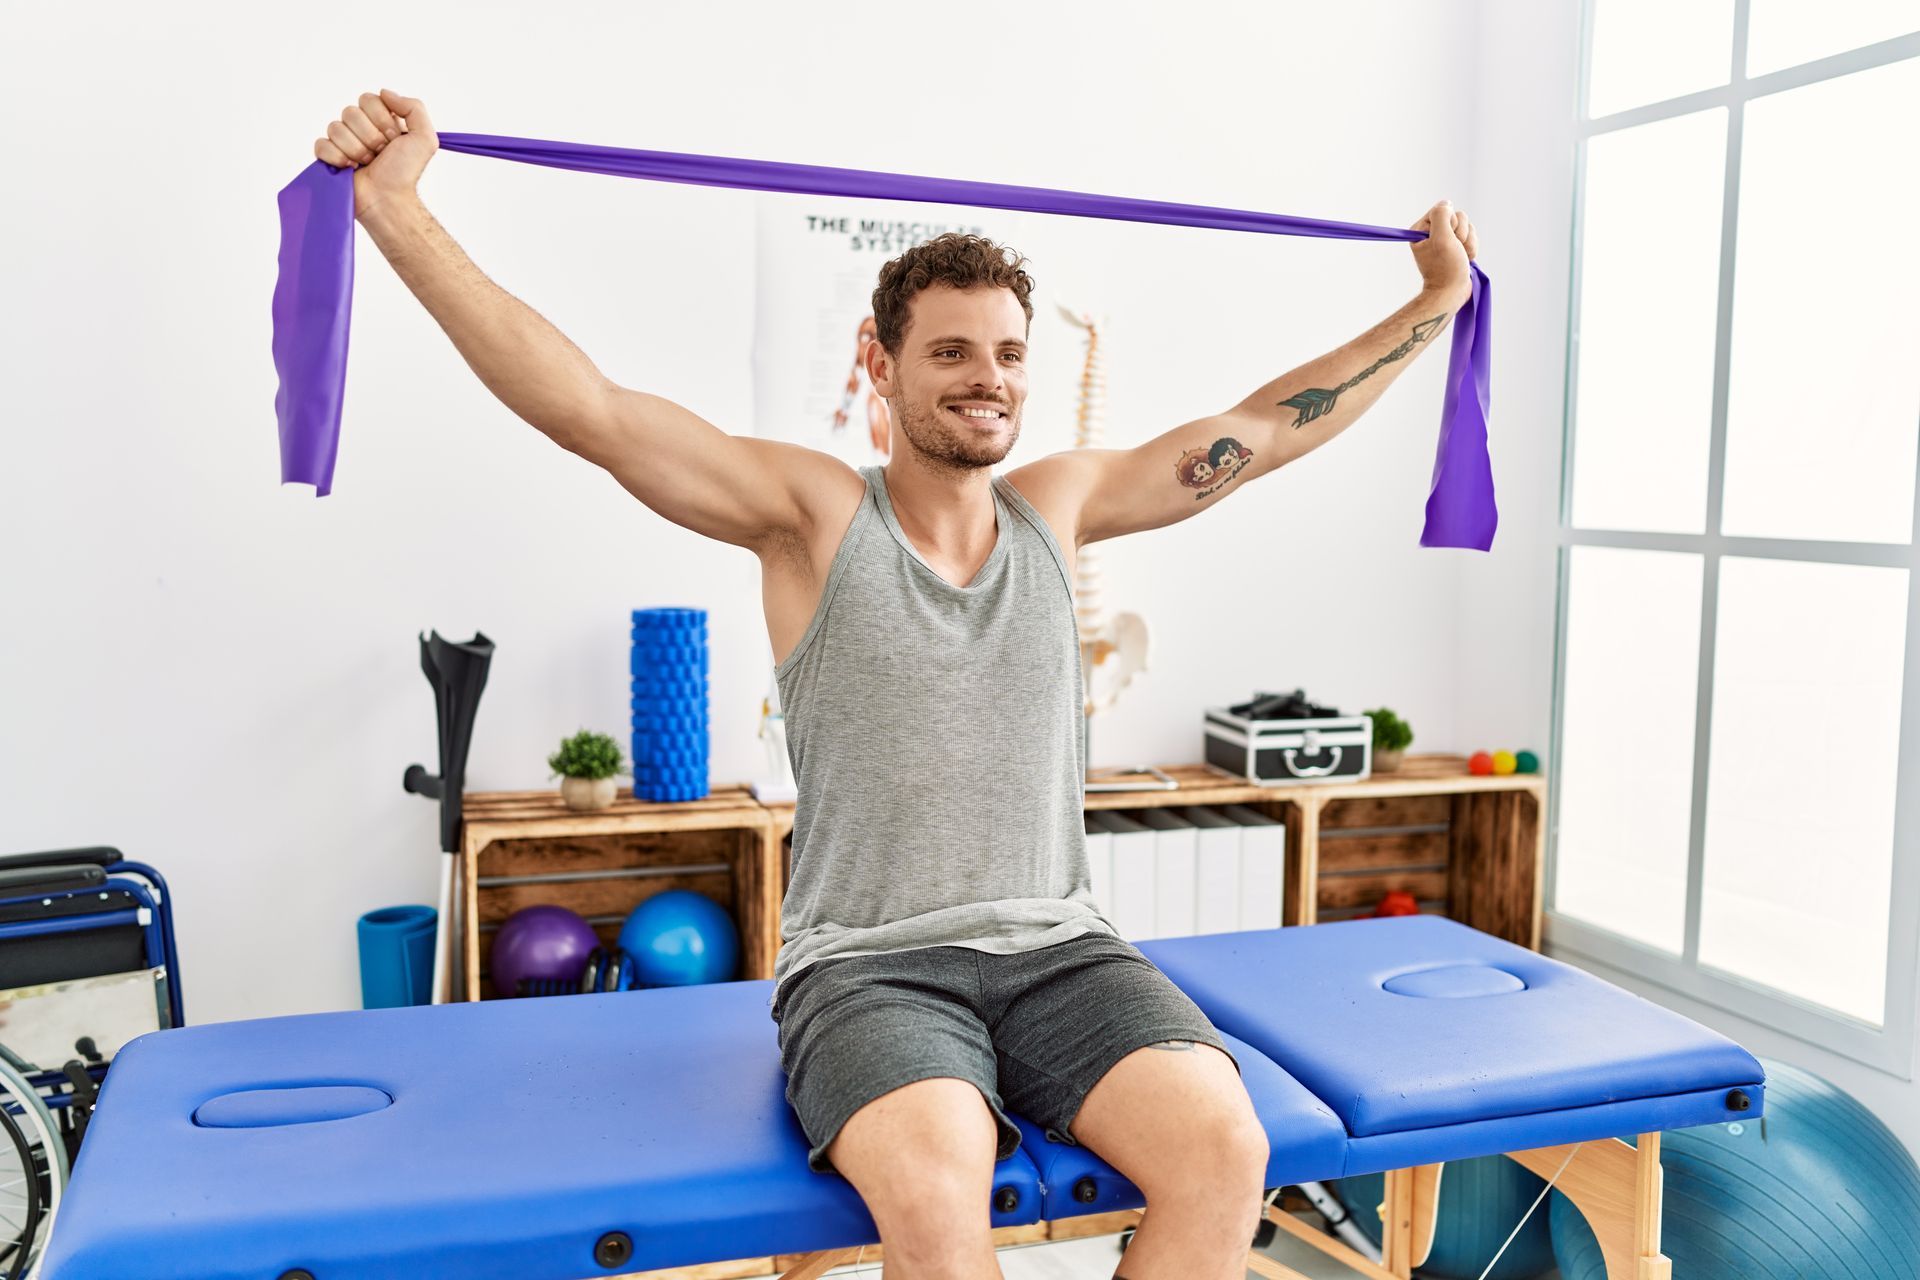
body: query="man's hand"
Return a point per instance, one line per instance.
(1443, 256)
(386, 140)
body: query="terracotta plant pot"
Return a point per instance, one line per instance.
(588, 793)
(1388, 761)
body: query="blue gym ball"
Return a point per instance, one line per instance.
(680, 939)
(1481, 1201)
(1817, 1188)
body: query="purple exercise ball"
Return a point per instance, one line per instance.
(540, 942)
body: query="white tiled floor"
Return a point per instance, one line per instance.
(1095, 1257)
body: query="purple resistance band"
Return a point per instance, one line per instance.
(314, 295)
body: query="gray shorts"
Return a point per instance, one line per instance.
(1034, 1030)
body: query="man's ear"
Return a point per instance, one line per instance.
(880, 369)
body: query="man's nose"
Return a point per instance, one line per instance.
(988, 374)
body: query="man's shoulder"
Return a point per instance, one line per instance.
(1056, 486)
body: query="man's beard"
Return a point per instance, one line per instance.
(948, 446)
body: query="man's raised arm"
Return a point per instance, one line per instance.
(1192, 467)
(732, 488)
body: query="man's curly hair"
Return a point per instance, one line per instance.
(956, 259)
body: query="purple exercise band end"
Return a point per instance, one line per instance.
(312, 303)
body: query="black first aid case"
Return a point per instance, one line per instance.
(1283, 751)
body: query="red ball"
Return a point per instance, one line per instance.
(1397, 902)
(1480, 764)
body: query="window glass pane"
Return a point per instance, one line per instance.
(1785, 33)
(1651, 50)
(1626, 750)
(1825, 392)
(1649, 288)
(1800, 790)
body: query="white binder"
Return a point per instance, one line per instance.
(1263, 866)
(1175, 844)
(1216, 870)
(1100, 866)
(1131, 909)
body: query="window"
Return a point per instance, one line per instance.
(1733, 814)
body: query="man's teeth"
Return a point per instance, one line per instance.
(980, 413)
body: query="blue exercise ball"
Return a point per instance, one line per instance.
(1480, 1203)
(679, 939)
(1816, 1188)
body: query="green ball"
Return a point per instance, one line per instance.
(1526, 762)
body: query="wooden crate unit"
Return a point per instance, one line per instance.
(1374, 845)
(1468, 847)
(522, 848)
(1464, 846)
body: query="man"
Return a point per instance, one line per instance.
(943, 961)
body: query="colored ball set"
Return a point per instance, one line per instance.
(674, 939)
(1501, 763)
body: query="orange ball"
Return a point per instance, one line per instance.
(1397, 902)
(1480, 764)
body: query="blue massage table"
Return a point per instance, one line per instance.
(548, 1139)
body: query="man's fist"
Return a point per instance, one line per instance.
(1443, 256)
(386, 140)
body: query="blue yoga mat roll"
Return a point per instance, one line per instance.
(396, 956)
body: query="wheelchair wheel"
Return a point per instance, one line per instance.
(20, 1200)
(33, 1173)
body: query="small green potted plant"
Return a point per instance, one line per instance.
(588, 765)
(1391, 738)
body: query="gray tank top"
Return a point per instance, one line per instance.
(935, 737)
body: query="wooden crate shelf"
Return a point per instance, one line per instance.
(1464, 846)
(519, 848)
(1468, 847)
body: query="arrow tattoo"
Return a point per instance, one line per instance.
(1318, 401)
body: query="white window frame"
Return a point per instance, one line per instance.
(1889, 1047)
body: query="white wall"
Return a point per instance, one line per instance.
(220, 676)
(1523, 135)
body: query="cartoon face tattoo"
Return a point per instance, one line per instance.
(1210, 468)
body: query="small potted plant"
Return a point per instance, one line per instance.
(1391, 738)
(588, 765)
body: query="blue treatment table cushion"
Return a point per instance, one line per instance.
(1305, 1141)
(494, 1139)
(1418, 1029)
(503, 1139)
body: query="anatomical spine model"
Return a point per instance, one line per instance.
(1113, 650)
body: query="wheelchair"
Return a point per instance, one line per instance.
(87, 963)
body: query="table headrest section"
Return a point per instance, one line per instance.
(1416, 1022)
(519, 1133)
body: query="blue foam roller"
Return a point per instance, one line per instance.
(666, 619)
(655, 721)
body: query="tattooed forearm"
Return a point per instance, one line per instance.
(1317, 401)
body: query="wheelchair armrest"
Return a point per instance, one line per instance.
(20, 882)
(98, 855)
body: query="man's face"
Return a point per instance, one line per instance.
(961, 379)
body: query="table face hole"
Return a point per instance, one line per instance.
(297, 1104)
(1454, 982)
